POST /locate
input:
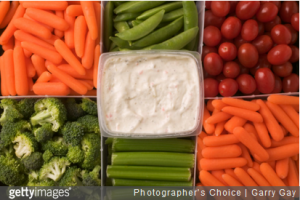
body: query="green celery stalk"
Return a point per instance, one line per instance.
(130, 182)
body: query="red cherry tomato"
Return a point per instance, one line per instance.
(220, 8)
(211, 87)
(238, 41)
(227, 51)
(231, 69)
(206, 50)
(278, 85)
(295, 54)
(265, 80)
(279, 54)
(211, 20)
(211, 36)
(288, 8)
(231, 27)
(243, 70)
(248, 55)
(249, 30)
(246, 83)
(291, 83)
(247, 9)
(283, 70)
(233, 5)
(293, 32)
(228, 87)
(295, 21)
(207, 4)
(261, 28)
(269, 25)
(213, 64)
(277, 3)
(267, 12)
(226, 40)
(263, 44)
(281, 34)
(220, 77)
(262, 63)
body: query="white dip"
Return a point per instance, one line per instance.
(150, 94)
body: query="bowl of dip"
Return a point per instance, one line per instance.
(150, 94)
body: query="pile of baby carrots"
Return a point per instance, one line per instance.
(250, 143)
(50, 47)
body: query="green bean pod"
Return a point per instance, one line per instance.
(177, 42)
(119, 42)
(172, 15)
(190, 13)
(167, 7)
(108, 24)
(137, 6)
(125, 17)
(121, 26)
(160, 35)
(142, 29)
(136, 22)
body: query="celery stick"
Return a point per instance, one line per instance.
(167, 159)
(130, 182)
(149, 173)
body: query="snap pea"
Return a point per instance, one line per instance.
(126, 17)
(115, 49)
(119, 42)
(137, 6)
(190, 13)
(121, 26)
(117, 3)
(172, 15)
(177, 42)
(160, 35)
(142, 29)
(108, 24)
(112, 46)
(167, 7)
(136, 22)
(130, 24)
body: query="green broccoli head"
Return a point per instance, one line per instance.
(91, 178)
(47, 155)
(71, 177)
(33, 180)
(34, 161)
(26, 107)
(56, 145)
(43, 133)
(89, 106)
(74, 109)
(49, 110)
(10, 112)
(25, 144)
(11, 171)
(54, 169)
(90, 124)
(75, 154)
(91, 147)
(72, 133)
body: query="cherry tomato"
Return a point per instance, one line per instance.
(295, 21)
(269, 25)
(226, 40)
(231, 27)
(238, 41)
(231, 69)
(278, 85)
(220, 8)
(267, 12)
(247, 9)
(243, 70)
(265, 80)
(213, 64)
(288, 8)
(283, 70)
(281, 34)
(295, 54)
(233, 6)
(227, 51)
(211, 20)
(206, 50)
(277, 3)
(249, 30)
(293, 32)
(279, 54)
(207, 75)
(228, 87)
(263, 44)
(211, 36)
(246, 83)
(211, 87)
(291, 83)
(262, 63)
(248, 55)
(207, 4)
(220, 77)
(261, 28)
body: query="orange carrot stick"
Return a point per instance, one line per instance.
(44, 77)
(209, 180)
(90, 16)
(4, 8)
(218, 117)
(251, 130)
(243, 113)
(244, 177)
(67, 54)
(202, 135)
(80, 31)
(26, 16)
(51, 88)
(69, 34)
(60, 33)
(281, 152)
(30, 84)
(290, 111)
(9, 71)
(209, 128)
(67, 79)
(218, 104)
(30, 68)
(241, 103)
(219, 128)
(9, 44)
(4, 89)
(231, 173)
(97, 7)
(282, 168)
(88, 56)
(270, 175)
(246, 155)
(218, 175)
(39, 64)
(234, 122)
(263, 134)
(222, 163)
(96, 61)
(231, 181)
(214, 141)
(209, 105)
(87, 85)
(70, 70)
(228, 151)
(9, 15)
(293, 175)
(283, 99)
(296, 107)
(52, 39)
(46, 5)
(74, 10)
(258, 178)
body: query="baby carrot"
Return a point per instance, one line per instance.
(4, 8)
(30, 68)
(44, 77)
(51, 88)
(244, 177)
(70, 70)
(258, 178)
(290, 111)
(282, 152)
(234, 122)
(231, 181)
(46, 5)
(246, 155)
(209, 105)
(293, 175)
(209, 180)
(9, 15)
(222, 163)
(86, 84)
(251, 130)
(285, 141)
(228, 151)
(283, 118)
(80, 31)
(8, 57)
(57, 32)
(52, 39)
(282, 168)
(96, 61)
(202, 135)
(243, 113)
(283, 99)
(4, 89)
(218, 117)
(219, 128)
(270, 175)
(9, 44)
(69, 34)
(209, 128)
(244, 137)
(263, 134)
(90, 16)
(218, 175)
(67, 54)
(296, 107)
(214, 141)
(241, 103)
(26, 16)
(38, 63)
(97, 7)
(74, 10)
(218, 104)
(67, 79)
(88, 56)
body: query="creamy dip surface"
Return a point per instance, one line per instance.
(150, 94)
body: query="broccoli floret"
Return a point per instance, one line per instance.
(90, 124)
(43, 133)
(54, 169)
(26, 107)
(72, 133)
(47, 155)
(91, 178)
(33, 180)
(25, 144)
(89, 106)
(91, 147)
(71, 177)
(74, 109)
(11, 171)
(49, 110)
(57, 146)
(75, 154)
(34, 161)
(7, 151)
(10, 111)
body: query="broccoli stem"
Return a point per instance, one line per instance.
(44, 115)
